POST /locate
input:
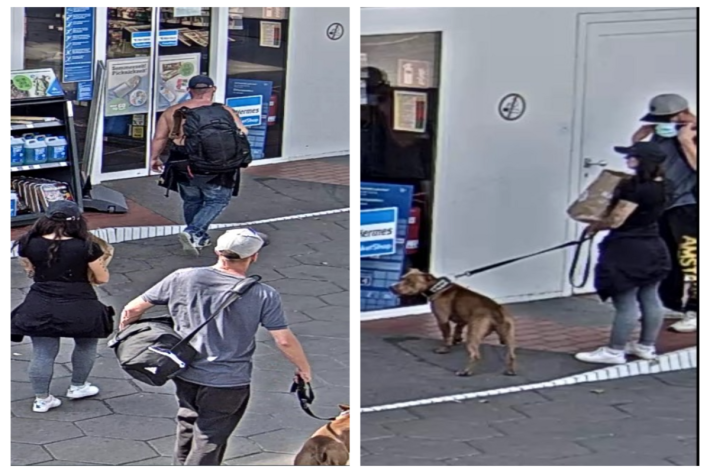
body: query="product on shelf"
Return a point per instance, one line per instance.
(17, 147)
(33, 149)
(19, 120)
(34, 194)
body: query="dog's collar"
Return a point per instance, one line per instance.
(439, 286)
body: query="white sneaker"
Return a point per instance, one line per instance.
(673, 315)
(188, 244)
(641, 351)
(43, 405)
(78, 392)
(604, 355)
(689, 324)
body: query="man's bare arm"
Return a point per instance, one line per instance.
(160, 141)
(289, 345)
(133, 311)
(687, 136)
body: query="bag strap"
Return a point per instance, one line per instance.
(236, 293)
(178, 118)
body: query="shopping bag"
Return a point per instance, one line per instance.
(593, 204)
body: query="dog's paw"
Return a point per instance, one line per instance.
(458, 341)
(464, 373)
(442, 350)
(510, 373)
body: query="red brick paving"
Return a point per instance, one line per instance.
(311, 170)
(531, 333)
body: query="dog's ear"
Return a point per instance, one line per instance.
(344, 407)
(412, 272)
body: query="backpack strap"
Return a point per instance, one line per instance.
(239, 289)
(178, 119)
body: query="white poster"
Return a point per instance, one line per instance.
(416, 74)
(270, 36)
(410, 111)
(128, 87)
(174, 73)
(187, 11)
(274, 13)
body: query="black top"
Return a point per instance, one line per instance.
(651, 200)
(71, 263)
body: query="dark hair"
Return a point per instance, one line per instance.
(648, 171)
(60, 228)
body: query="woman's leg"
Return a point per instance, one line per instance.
(625, 319)
(82, 360)
(44, 352)
(652, 314)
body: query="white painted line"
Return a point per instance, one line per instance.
(115, 235)
(674, 361)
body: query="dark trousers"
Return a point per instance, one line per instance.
(206, 418)
(679, 229)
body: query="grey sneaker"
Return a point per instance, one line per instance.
(188, 244)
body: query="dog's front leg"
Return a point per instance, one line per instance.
(458, 333)
(446, 335)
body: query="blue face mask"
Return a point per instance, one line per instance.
(667, 130)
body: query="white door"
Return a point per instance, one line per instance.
(624, 63)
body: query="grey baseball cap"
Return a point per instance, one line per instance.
(245, 242)
(665, 106)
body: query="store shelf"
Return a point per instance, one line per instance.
(23, 219)
(34, 167)
(34, 126)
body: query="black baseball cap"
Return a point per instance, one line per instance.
(647, 151)
(63, 210)
(200, 82)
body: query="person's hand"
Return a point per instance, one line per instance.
(305, 375)
(245, 131)
(688, 133)
(593, 228)
(126, 320)
(156, 164)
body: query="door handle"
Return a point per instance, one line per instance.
(588, 163)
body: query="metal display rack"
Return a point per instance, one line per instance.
(66, 171)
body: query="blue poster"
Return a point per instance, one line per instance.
(250, 99)
(141, 39)
(168, 38)
(78, 45)
(84, 91)
(378, 273)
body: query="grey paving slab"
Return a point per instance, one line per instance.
(101, 450)
(127, 413)
(425, 449)
(120, 426)
(23, 454)
(41, 431)
(640, 422)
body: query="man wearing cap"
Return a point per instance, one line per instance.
(204, 196)
(214, 391)
(673, 126)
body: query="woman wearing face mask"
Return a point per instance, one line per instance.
(633, 259)
(61, 302)
(675, 129)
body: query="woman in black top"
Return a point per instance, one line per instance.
(633, 259)
(62, 301)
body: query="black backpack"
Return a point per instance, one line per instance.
(213, 142)
(152, 352)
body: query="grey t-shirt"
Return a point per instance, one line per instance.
(227, 344)
(682, 178)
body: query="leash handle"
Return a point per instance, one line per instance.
(306, 396)
(586, 237)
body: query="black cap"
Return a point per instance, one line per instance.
(63, 210)
(200, 82)
(651, 152)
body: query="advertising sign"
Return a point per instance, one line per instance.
(78, 45)
(174, 74)
(128, 88)
(382, 202)
(34, 83)
(250, 99)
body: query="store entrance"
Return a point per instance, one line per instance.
(398, 127)
(151, 54)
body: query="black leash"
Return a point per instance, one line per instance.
(306, 396)
(575, 260)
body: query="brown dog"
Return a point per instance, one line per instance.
(329, 445)
(478, 314)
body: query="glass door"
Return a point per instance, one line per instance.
(151, 54)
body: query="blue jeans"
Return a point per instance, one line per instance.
(202, 202)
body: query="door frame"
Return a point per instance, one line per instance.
(219, 31)
(576, 169)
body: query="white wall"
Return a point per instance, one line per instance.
(317, 108)
(501, 188)
(17, 38)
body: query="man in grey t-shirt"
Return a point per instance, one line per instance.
(214, 391)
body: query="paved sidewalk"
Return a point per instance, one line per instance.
(131, 423)
(648, 420)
